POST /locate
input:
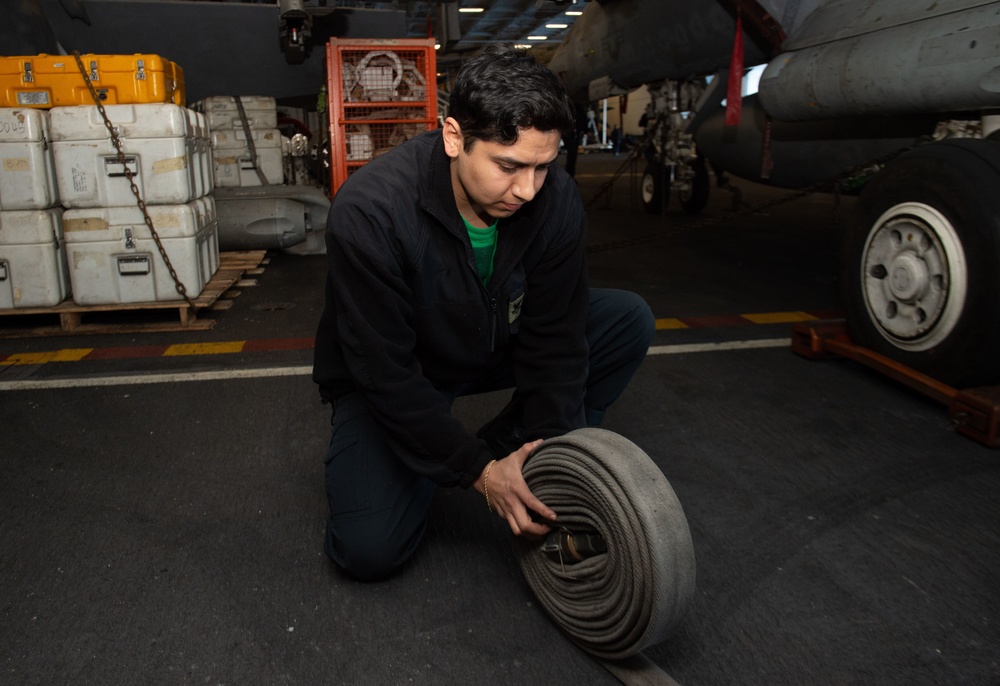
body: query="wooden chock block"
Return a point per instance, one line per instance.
(808, 337)
(975, 413)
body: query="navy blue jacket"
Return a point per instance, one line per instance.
(409, 324)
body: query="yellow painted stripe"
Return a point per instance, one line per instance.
(779, 317)
(663, 324)
(71, 354)
(204, 348)
(66, 355)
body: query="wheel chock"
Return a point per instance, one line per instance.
(974, 412)
(809, 338)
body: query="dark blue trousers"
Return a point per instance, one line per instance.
(378, 505)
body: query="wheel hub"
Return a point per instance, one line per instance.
(914, 276)
(648, 188)
(908, 277)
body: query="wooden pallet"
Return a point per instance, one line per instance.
(137, 317)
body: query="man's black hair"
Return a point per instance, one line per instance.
(504, 89)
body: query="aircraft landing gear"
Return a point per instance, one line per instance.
(694, 196)
(920, 269)
(656, 185)
(655, 179)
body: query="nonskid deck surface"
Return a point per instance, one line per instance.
(162, 499)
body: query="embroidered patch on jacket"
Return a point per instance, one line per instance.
(514, 309)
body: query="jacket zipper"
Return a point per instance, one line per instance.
(499, 276)
(493, 325)
(491, 301)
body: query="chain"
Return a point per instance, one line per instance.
(650, 236)
(135, 189)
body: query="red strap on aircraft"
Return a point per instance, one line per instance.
(734, 93)
(762, 25)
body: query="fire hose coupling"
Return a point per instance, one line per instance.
(574, 546)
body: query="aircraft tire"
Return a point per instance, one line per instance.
(654, 188)
(921, 262)
(694, 201)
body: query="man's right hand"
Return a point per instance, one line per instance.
(509, 495)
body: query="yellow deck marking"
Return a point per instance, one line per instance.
(66, 355)
(779, 317)
(204, 348)
(671, 323)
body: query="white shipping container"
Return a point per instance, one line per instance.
(155, 142)
(27, 169)
(33, 270)
(113, 258)
(233, 164)
(222, 113)
(208, 218)
(200, 153)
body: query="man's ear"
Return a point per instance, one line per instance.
(453, 140)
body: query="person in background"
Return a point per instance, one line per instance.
(592, 124)
(456, 266)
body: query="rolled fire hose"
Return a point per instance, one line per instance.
(614, 602)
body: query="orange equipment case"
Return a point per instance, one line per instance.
(44, 81)
(381, 92)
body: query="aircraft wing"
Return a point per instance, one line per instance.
(619, 45)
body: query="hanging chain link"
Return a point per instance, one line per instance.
(123, 160)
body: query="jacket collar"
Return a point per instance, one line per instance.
(439, 198)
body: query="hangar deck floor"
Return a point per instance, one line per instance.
(170, 532)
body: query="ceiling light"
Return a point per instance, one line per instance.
(538, 37)
(470, 10)
(571, 13)
(557, 26)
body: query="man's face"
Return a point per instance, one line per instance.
(492, 180)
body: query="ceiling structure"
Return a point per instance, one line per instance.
(461, 29)
(205, 36)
